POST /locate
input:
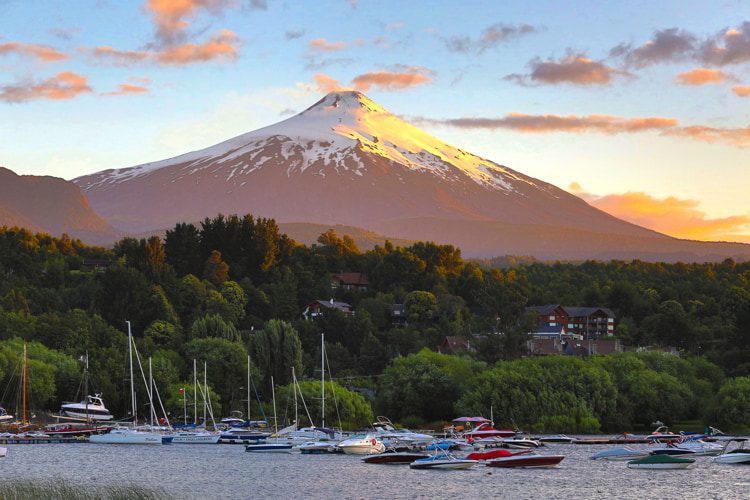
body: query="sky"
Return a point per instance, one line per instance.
(639, 107)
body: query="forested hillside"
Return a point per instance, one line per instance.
(234, 286)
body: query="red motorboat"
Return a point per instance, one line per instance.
(489, 455)
(485, 430)
(527, 460)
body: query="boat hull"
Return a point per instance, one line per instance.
(443, 464)
(660, 466)
(269, 448)
(393, 458)
(208, 439)
(527, 462)
(107, 439)
(733, 458)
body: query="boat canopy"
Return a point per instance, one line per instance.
(470, 419)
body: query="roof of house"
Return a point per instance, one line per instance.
(605, 347)
(455, 343)
(571, 311)
(332, 304)
(544, 346)
(351, 278)
(550, 329)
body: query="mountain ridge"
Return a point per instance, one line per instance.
(347, 160)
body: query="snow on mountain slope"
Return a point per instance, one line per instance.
(328, 136)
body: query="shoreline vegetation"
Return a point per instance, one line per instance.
(233, 287)
(34, 489)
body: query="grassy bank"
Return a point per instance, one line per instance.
(25, 489)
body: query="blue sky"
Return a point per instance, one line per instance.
(180, 75)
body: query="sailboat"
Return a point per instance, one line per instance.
(312, 439)
(125, 435)
(197, 437)
(245, 433)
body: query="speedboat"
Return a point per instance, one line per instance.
(443, 461)
(620, 454)
(660, 462)
(391, 436)
(4, 417)
(241, 435)
(692, 447)
(489, 455)
(268, 448)
(188, 437)
(484, 429)
(123, 435)
(559, 438)
(662, 434)
(362, 445)
(318, 448)
(521, 442)
(91, 408)
(739, 455)
(302, 435)
(394, 457)
(526, 460)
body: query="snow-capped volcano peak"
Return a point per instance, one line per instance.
(332, 137)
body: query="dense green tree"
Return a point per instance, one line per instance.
(276, 349)
(731, 406)
(213, 325)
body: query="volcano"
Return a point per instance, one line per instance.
(346, 160)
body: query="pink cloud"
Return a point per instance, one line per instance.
(40, 52)
(702, 76)
(681, 218)
(65, 85)
(323, 45)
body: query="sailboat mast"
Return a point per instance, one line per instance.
(24, 388)
(205, 394)
(86, 387)
(195, 393)
(273, 398)
(248, 387)
(294, 388)
(322, 380)
(151, 392)
(132, 387)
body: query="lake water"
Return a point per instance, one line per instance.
(227, 471)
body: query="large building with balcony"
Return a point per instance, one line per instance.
(585, 322)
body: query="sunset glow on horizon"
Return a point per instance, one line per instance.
(643, 113)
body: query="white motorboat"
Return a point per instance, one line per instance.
(4, 416)
(660, 462)
(90, 409)
(739, 455)
(521, 443)
(559, 438)
(187, 437)
(318, 448)
(444, 461)
(700, 447)
(393, 437)
(123, 435)
(362, 445)
(620, 454)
